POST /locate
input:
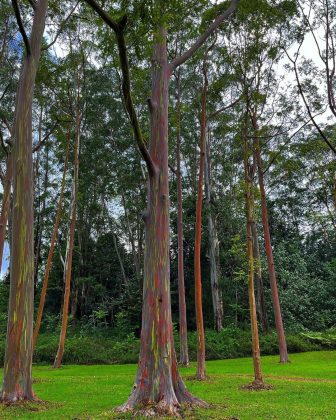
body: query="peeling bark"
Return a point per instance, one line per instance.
(17, 383)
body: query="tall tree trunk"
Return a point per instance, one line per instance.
(132, 242)
(39, 228)
(71, 236)
(184, 355)
(158, 383)
(5, 202)
(200, 374)
(17, 383)
(269, 252)
(158, 386)
(52, 247)
(121, 263)
(248, 170)
(217, 298)
(260, 297)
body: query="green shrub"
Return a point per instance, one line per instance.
(115, 346)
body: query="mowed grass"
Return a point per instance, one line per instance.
(303, 389)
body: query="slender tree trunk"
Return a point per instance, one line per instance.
(217, 298)
(71, 237)
(132, 242)
(5, 202)
(184, 354)
(158, 386)
(258, 379)
(200, 374)
(17, 383)
(121, 263)
(39, 228)
(269, 252)
(52, 247)
(260, 297)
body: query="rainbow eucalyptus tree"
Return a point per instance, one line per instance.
(17, 383)
(158, 385)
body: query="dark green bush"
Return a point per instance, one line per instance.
(108, 347)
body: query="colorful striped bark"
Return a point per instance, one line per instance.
(17, 383)
(158, 386)
(5, 202)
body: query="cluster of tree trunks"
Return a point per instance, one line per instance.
(158, 385)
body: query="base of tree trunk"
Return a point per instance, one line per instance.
(257, 386)
(184, 363)
(18, 397)
(284, 360)
(167, 406)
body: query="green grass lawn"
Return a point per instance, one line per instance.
(303, 389)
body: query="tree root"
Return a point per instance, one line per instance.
(164, 407)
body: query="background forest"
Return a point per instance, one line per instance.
(264, 90)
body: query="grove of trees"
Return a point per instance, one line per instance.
(171, 164)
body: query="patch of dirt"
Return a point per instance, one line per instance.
(36, 405)
(257, 386)
(195, 379)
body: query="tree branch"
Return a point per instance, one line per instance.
(21, 26)
(60, 28)
(201, 40)
(45, 138)
(270, 163)
(119, 29)
(224, 108)
(33, 4)
(308, 107)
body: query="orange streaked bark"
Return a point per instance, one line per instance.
(268, 248)
(200, 374)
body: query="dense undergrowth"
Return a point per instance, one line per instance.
(111, 346)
